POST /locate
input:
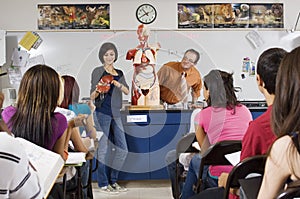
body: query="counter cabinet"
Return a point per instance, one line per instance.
(150, 135)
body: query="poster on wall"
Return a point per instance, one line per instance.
(230, 15)
(73, 16)
(195, 15)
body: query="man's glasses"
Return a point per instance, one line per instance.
(189, 60)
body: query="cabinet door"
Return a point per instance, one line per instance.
(163, 138)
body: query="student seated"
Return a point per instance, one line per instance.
(224, 119)
(33, 118)
(259, 135)
(284, 157)
(71, 102)
(83, 144)
(18, 178)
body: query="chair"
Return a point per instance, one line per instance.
(89, 186)
(292, 191)
(215, 155)
(184, 145)
(254, 164)
(75, 192)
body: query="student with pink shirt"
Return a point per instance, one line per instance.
(224, 119)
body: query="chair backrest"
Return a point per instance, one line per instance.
(254, 164)
(215, 155)
(292, 191)
(184, 145)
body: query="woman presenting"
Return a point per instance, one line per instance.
(107, 86)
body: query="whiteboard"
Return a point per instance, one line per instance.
(76, 53)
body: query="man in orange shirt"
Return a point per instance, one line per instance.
(170, 74)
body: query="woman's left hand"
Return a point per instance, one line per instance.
(116, 83)
(91, 105)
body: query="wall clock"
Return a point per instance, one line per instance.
(146, 13)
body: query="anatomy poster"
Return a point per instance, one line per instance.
(230, 15)
(73, 16)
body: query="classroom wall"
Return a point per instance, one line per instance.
(75, 52)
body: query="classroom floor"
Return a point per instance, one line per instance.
(144, 189)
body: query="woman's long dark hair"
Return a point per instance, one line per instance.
(37, 99)
(285, 119)
(286, 106)
(71, 91)
(221, 89)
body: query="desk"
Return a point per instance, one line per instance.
(256, 107)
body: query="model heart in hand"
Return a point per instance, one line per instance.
(104, 83)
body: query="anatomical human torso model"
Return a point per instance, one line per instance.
(145, 86)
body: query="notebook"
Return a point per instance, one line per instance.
(47, 164)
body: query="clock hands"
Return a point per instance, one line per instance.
(145, 13)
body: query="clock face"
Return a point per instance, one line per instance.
(146, 13)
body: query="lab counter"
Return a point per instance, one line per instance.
(151, 134)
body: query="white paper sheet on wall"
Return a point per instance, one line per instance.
(2, 47)
(15, 75)
(19, 57)
(32, 61)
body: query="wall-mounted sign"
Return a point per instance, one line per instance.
(230, 15)
(73, 16)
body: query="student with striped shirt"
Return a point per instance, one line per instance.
(18, 178)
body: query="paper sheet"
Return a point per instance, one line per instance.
(2, 47)
(19, 57)
(233, 158)
(47, 163)
(75, 158)
(196, 146)
(14, 75)
(28, 40)
(32, 61)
